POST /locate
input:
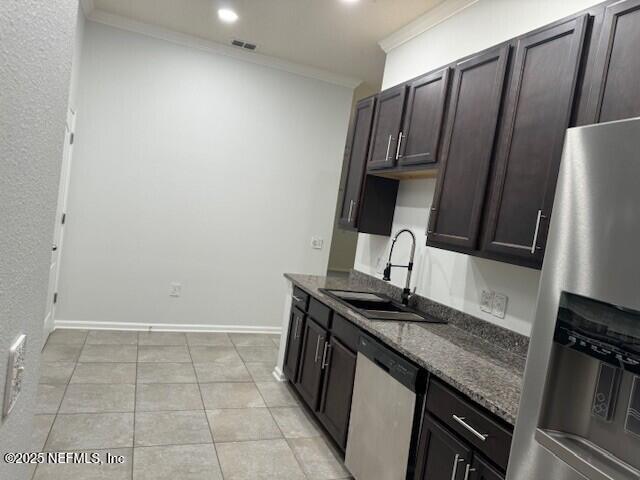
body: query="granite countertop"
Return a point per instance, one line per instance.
(485, 371)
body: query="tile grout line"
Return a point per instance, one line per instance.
(204, 409)
(66, 386)
(274, 420)
(135, 405)
(209, 425)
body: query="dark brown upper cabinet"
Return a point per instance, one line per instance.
(387, 122)
(615, 92)
(423, 118)
(537, 113)
(368, 203)
(472, 120)
(355, 157)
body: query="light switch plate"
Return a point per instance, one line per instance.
(486, 301)
(15, 374)
(499, 305)
(317, 243)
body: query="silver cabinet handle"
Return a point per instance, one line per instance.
(320, 339)
(601, 351)
(535, 235)
(325, 355)
(297, 331)
(460, 420)
(350, 210)
(386, 158)
(398, 147)
(454, 470)
(467, 471)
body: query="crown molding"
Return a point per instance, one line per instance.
(191, 41)
(88, 6)
(433, 17)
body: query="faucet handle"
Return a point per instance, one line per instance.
(386, 276)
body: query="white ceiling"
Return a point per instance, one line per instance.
(331, 35)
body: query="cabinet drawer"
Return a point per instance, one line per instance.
(465, 418)
(346, 331)
(320, 312)
(300, 299)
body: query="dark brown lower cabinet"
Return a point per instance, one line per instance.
(294, 344)
(321, 363)
(481, 470)
(309, 378)
(441, 456)
(335, 405)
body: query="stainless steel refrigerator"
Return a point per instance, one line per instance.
(579, 416)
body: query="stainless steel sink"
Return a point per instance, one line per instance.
(376, 306)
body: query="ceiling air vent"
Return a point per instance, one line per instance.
(241, 44)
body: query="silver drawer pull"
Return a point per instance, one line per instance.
(454, 470)
(534, 246)
(386, 157)
(297, 299)
(467, 471)
(350, 211)
(398, 148)
(461, 421)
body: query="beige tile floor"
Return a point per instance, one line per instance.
(175, 406)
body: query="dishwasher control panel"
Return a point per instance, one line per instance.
(401, 369)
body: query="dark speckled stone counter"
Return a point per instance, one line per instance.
(485, 370)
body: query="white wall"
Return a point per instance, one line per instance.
(77, 57)
(446, 277)
(36, 41)
(196, 168)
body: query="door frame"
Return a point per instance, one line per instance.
(61, 213)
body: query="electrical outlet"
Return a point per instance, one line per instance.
(175, 289)
(499, 305)
(317, 243)
(486, 301)
(15, 374)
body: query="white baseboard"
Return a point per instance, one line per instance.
(164, 327)
(278, 374)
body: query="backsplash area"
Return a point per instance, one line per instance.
(499, 336)
(449, 278)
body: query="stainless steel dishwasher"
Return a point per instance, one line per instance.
(388, 396)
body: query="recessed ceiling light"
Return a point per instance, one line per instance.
(350, 1)
(227, 15)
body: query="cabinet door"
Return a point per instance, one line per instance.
(422, 126)
(441, 456)
(386, 128)
(537, 114)
(339, 374)
(481, 470)
(615, 93)
(355, 157)
(472, 121)
(310, 370)
(294, 344)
